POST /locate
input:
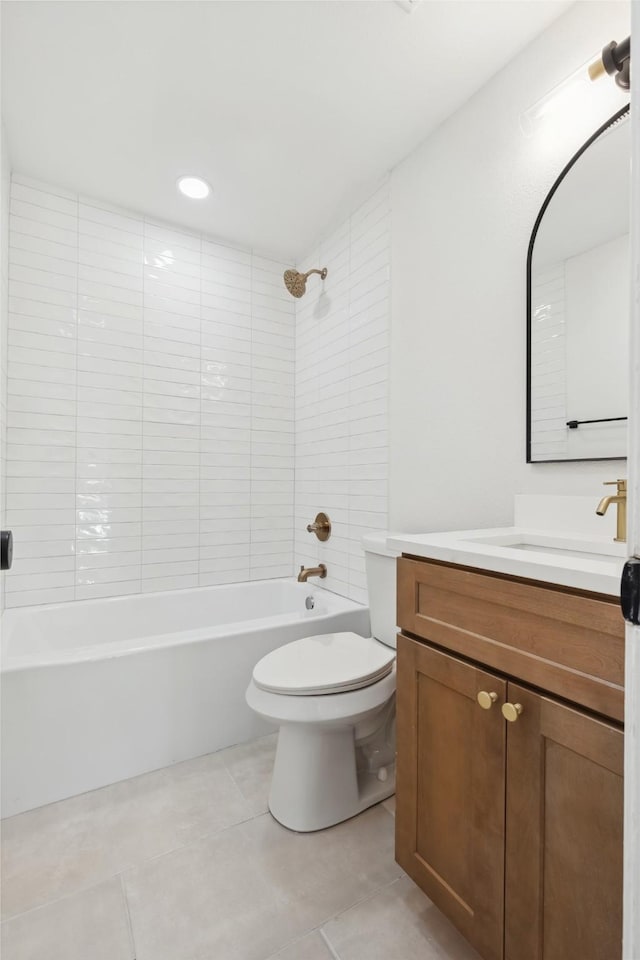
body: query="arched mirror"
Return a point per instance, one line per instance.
(578, 303)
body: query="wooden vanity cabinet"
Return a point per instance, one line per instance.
(513, 829)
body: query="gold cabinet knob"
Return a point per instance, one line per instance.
(511, 711)
(486, 700)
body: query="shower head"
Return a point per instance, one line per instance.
(296, 283)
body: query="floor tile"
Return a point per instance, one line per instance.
(208, 874)
(251, 766)
(311, 947)
(245, 893)
(207, 900)
(92, 924)
(69, 846)
(320, 874)
(398, 921)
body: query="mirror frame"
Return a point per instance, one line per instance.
(585, 146)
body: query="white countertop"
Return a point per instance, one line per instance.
(584, 562)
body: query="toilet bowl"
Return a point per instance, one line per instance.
(333, 698)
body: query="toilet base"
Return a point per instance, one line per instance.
(316, 783)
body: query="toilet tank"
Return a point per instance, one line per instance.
(380, 564)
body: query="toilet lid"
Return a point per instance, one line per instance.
(329, 663)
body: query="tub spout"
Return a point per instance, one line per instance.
(306, 572)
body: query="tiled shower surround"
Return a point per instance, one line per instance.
(151, 413)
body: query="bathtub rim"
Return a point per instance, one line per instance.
(10, 662)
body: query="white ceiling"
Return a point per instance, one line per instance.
(292, 110)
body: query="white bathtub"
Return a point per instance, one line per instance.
(100, 690)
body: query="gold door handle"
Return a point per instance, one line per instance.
(511, 711)
(486, 700)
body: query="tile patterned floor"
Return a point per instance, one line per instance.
(187, 864)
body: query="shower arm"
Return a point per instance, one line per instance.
(323, 272)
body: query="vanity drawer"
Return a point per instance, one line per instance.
(564, 641)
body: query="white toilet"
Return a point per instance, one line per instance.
(333, 697)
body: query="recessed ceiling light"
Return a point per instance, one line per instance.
(194, 187)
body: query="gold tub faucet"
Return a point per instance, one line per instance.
(306, 572)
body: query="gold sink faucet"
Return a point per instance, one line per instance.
(620, 499)
(306, 572)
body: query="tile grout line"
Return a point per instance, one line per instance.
(364, 899)
(66, 896)
(292, 943)
(319, 928)
(328, 944)
(356, 903)
(125, 899)
(185, 846)
(157, 856)
(121, 877)
(134, 866)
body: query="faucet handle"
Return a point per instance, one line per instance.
(620, 484)
(321, 527)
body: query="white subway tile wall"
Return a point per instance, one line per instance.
(150, 441)
(342, 361)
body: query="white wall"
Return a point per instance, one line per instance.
(4, 305)
(463, 206)
(342, 358)
(150, 405)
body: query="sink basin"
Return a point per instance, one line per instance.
(561, 546)
(587, 563)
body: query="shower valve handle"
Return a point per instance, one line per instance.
(321, 527)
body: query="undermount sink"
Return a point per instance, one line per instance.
(587, 563)
(601, 550)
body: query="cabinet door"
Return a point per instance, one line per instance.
(563, 886)
(450, 789)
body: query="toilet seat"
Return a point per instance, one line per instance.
(330, 711)
(326, 664)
